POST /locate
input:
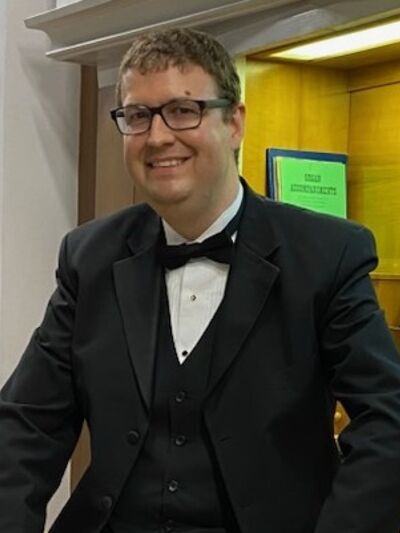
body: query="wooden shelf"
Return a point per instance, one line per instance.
(385, 276)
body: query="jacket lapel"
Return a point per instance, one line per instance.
(249, 284)
(138, 278)
(137, 281)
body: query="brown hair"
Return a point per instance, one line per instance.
(178, 47)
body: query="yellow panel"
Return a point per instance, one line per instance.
(388, 294)
(292, 106)
(374, 169)
(374, 76)
(324, 117)
(272, 99)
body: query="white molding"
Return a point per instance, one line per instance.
(93, 19)
(88, 31)
(314, 18)
(97, 32)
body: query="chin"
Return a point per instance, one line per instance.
(170, 193)
(167, 198)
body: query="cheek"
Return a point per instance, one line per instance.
(211, 146)
(130, 153)
(126, 150)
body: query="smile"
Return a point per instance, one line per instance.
(167, 163)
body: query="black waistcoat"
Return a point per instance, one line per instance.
(175, 484)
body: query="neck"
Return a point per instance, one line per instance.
(191, 227)
(191, 223)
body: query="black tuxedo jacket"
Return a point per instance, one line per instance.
(300, 328)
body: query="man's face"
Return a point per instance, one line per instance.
(191, 170)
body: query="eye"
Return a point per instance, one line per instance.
(135, 114)
(183, 108)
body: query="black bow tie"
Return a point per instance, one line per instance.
(219, 247)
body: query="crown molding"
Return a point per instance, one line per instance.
(78, 30)
(98, 32)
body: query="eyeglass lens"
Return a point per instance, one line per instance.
(179, 115)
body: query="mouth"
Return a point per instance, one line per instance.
(167, 163)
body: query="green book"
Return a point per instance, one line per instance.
(313, 184)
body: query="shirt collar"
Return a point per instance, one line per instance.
(173, 237)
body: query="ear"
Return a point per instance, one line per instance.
(236, 122)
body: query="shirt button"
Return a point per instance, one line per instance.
(180, 396)
(106, 502)
(180, 440)
(193, 297)
(185, 353)
(173, 486)
(133, 436)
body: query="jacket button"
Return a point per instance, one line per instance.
(173, 485)
(106, 502)
(133, 436)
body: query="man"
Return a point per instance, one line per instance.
(207, 377)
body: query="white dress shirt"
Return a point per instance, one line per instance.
(196, 289)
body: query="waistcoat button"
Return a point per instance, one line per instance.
(180, 440)
(173, 485)
(180, 396)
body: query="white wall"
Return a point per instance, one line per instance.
(61, 3)
(39, 125)
(2, 60)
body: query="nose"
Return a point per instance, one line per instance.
(159, 133)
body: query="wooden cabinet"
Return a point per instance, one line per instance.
(347, 109)
(387, 289)
(292, 106)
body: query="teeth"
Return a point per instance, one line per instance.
(167, 163)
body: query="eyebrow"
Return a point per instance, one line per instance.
(176, 99)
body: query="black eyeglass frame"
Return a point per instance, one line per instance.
(203, 105)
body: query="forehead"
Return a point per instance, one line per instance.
(157, 87)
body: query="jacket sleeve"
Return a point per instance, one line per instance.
(40, 419)
(363, 368)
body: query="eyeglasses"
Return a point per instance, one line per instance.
(177, 115)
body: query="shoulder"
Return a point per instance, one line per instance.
(305, 239)
(296, 224)
(106, 238)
